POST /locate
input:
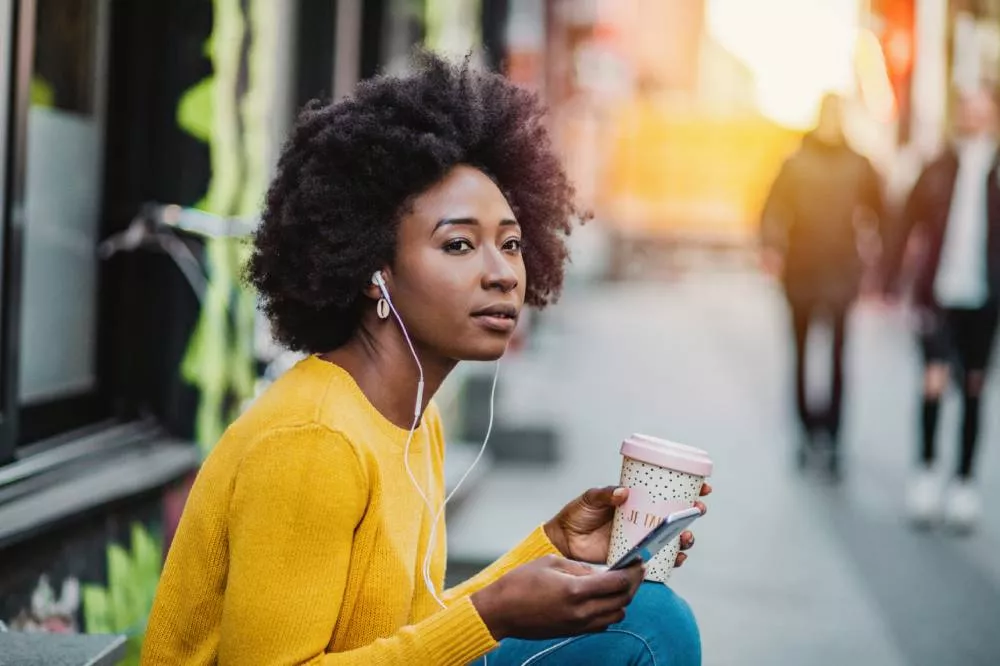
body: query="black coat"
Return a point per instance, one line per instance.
(926, 212)
(811, 216)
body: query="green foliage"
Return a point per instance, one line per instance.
(124, 605)
(234, 122)
(195, 110)
(42, 93)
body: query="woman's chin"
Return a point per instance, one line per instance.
(488, 351)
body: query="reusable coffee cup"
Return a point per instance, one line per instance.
(662, 477)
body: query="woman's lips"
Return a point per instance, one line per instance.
(496, 322)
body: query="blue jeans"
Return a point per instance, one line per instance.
(659, 630)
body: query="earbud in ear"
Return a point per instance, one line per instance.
(379, 282)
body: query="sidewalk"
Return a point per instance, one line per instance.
(787, 570)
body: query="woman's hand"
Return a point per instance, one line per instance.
(582, 530)
(552, 597)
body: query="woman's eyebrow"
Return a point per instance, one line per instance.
(468, 221)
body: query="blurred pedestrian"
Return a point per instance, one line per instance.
(955, 207)
(810, 241)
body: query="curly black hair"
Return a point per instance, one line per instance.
(349, 170)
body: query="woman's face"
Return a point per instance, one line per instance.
(459, 280)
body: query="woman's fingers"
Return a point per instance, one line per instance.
(620, 496)
(602, 498)
(624, 590)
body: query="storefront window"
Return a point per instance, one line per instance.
(63, 177)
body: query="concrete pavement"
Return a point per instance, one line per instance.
(787, 570)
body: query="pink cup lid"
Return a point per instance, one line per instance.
(671, 455)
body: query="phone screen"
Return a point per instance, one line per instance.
(658, 538)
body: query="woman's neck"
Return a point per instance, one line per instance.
(385, 371)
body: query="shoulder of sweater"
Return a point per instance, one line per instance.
(302, 454)
(304, 468)
(302, 398)
(309, 406)
(286, 446)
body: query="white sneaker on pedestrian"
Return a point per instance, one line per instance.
(963, 506)
(923, 501)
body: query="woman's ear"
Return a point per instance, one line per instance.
(373, 290)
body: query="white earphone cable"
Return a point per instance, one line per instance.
(426, 567)
(440, 512)
(377, 279)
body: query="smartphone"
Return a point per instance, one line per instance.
(658, 538)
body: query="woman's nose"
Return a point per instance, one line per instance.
(498, 273)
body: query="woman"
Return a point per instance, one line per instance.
(305, 534)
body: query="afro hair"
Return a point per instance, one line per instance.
(349, 169)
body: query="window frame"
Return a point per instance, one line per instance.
(21, 424)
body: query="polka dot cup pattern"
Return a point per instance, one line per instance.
(662, 477)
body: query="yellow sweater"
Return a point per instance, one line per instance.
(303, 541)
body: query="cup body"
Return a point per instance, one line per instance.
(662, 477)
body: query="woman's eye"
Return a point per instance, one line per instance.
(513, 245)
(458, 246)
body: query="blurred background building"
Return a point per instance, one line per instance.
(127, 342)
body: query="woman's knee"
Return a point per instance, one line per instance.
(665, 622)
(936, 377)
(974, 381)
(659, 630)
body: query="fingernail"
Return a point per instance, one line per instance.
(618, 492)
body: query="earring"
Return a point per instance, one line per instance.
(382, 308)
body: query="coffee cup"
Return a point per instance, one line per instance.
(662, 477)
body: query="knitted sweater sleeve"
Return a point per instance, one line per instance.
(293, 513)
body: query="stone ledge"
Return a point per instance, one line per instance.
(133, 471)
(28, 649)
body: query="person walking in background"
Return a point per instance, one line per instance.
(810, 241)
(955, 206)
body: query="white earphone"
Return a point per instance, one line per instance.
(378, 281)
